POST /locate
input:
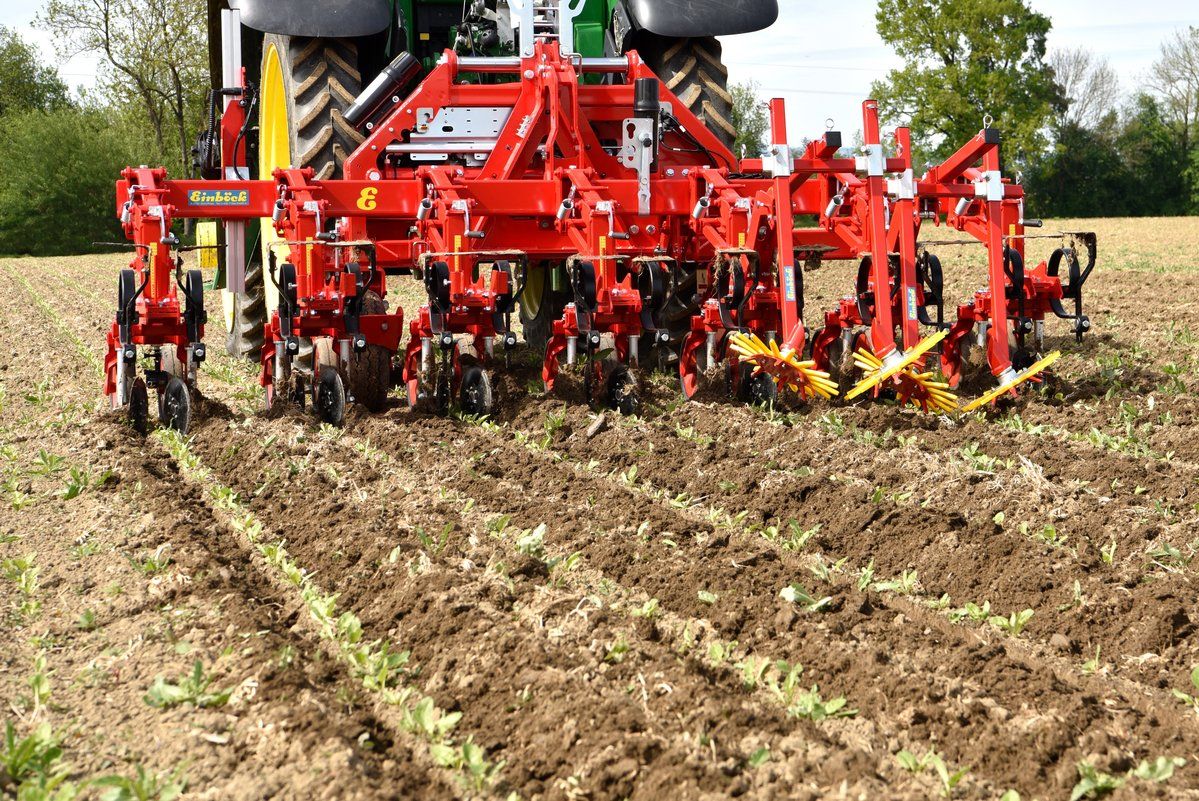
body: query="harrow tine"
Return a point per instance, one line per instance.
(1012, 383)
(785, 367)
(877, 372)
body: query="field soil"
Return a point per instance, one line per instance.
(707, 601)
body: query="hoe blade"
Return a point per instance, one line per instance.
(877, 373)
(787, 370)
(1008, 386)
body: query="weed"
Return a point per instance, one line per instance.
(798, 595)
(980, 462)
(721, 652)
(39, 684)
(1048, 534)
(86, 620)
(706, 597)
(865, 576)
(191, 689)
(143, 786)
(77, 482)
(1013, 624)
(691, 435)
(32, 766)
(760, 757)
(1159, 770)
(1169, 558)
(1076, 600)
(496, 526)
(156, 562)
(435, 545)
(824, 570)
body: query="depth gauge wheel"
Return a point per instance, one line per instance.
(475, 395)
(139, 407)
(369, 372)
(175, 406)
(330, 397)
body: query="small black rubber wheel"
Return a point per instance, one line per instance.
(369, 372)
(620, 390)
(175, 407)
(475, 395)
(756, 390)
(330, 399)
(139, 407)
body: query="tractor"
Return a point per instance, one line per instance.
(307, 63)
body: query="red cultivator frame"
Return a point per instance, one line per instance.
(494, 168)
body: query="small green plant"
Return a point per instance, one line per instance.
(1188, 699)
(1093, 783)
(721, 652)
(1013, 624)
(824, 570)
(86, 621)
(810, 706)
(866, 576)
(760, 757)
(426, 719)
(973, 611)
(798, 595)
(1159, 770)
(906, 584)
(1108, 552)
(531, 542)
(31, 767)
(617, 651)
(77, 482)
(1091, 666)
(706, 597)
(1048, 534)
(192, 689)
(435, 545)
(648, 610)
(48, 463)
(143, 786)
(153, 563)
(23, 571)
(753, 671)
(39, 684)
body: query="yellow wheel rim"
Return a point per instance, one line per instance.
(274, 151)
(530, 300)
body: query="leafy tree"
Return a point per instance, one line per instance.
(159, 58)
(966, 59)
(1083, 175)
(57, 171)
(1155, 164)
(749, 120)
(26, 83)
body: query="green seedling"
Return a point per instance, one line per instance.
(906, 584)
(1159, 770)
(1091, 666)
(77, 482)
(706, 597)
(783, 682)
(1188, 699)
(760, 757)
(866, 576)
(39, 684)
(1108, 552)
(1076, 601)
(32, 768)
(753, 671)
(824, 570)
(721, 652)
(435, 545)
(426, 719)
(143, 786)
(1093, 783)
(155, 562)
(648, 610)
(48, 463)
(192, 689)
(1013, 624)
(810, 706)
(23, 572)
(617, 651)
(531, 542)
(973, 611)
(799, 596)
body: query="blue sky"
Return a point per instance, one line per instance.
(821, 57)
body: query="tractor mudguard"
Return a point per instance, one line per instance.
(684, 19)
(334, 19)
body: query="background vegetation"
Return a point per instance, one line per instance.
(1084, 146)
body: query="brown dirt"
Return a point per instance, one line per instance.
(400, 514)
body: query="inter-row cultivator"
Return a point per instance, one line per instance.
(496, 174)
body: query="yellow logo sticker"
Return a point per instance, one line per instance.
(368, 200)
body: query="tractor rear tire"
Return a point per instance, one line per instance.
(319, 80)
(540, 306)
(692, 69)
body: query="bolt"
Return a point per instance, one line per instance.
(651, 229)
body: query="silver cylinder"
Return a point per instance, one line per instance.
(962, 205)
(833, 205)
(572, 349)
(513, 64)
(426, 354)
(422, 211)
(700, 207)
(634, 344)
(565, 209)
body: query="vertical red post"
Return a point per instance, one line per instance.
(904, 215)
(998, 355)
(792, 332)
(882, 328)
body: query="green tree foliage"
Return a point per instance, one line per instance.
(157, 51)
(749, 120)
(57, 173)
(965, 59)
(26, 83)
